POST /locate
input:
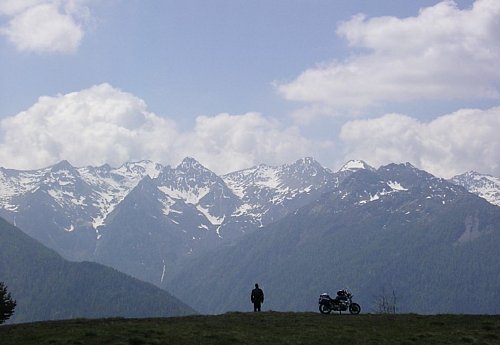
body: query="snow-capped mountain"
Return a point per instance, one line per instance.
(91, 191)
(63, 206)
(189, 210)
(268, 193)
(192, 185)
(84, 213)
(146, 219)
(485, 186)
(396, 228)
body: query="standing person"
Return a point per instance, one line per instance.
(257, 297)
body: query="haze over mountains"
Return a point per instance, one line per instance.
(194, 232)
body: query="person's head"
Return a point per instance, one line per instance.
(256, 285)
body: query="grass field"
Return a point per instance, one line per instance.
(261, 328)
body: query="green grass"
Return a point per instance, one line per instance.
(261, 328)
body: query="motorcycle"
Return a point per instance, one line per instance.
(342, 302)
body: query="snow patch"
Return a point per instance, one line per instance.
(353, 165)
(396, 186)
(202, 226)
(163, 272)
(192, 196)
(212, 219)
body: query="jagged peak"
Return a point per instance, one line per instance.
(189, 160)
(143, 167)
(190, 163)
(62, 165)
(306, 165)
(401, 165)
(469, 174)
(307, 161)
(102, 168)
(406, 167)
(474, 176)
(142, 163)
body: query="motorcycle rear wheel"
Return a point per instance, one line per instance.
(354, 308)
(324, 309)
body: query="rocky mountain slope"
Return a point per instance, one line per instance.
(396, 228)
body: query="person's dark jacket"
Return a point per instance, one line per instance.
(257, 295)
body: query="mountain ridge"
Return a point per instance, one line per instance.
(149, 220)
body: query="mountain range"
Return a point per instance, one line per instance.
(194, 232)
(144, 218)
(396, 228)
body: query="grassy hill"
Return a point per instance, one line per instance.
(262, 328)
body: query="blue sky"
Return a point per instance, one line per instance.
(235, 83)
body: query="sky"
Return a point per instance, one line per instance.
(237, 83)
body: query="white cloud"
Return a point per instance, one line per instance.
(94, 126)
(44, 26)
(443, 53)
(240, 141)
(102, 124)
(452, 144)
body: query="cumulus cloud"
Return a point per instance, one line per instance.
(103, 124)
(44, 26)
(449, 145)
(241, 141)
(442, 53)
(94, 126)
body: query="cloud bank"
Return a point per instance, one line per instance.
(443, 53)
(103, 124)
(44, 26)
(449, 145)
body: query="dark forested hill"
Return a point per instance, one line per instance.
(49, 287)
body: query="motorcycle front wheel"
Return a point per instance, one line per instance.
(354, 309)
(324, 309)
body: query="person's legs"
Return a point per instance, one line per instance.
(256, 307)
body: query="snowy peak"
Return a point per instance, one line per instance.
(355, 165)
(485, 186)
(61, 175)
(137, 170)
(190, 183)
(303, 167)
(190, 164)
(396, 182)
(190, 174)
(300, 174)
(268, 193)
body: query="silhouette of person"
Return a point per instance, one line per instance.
(257, 297)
